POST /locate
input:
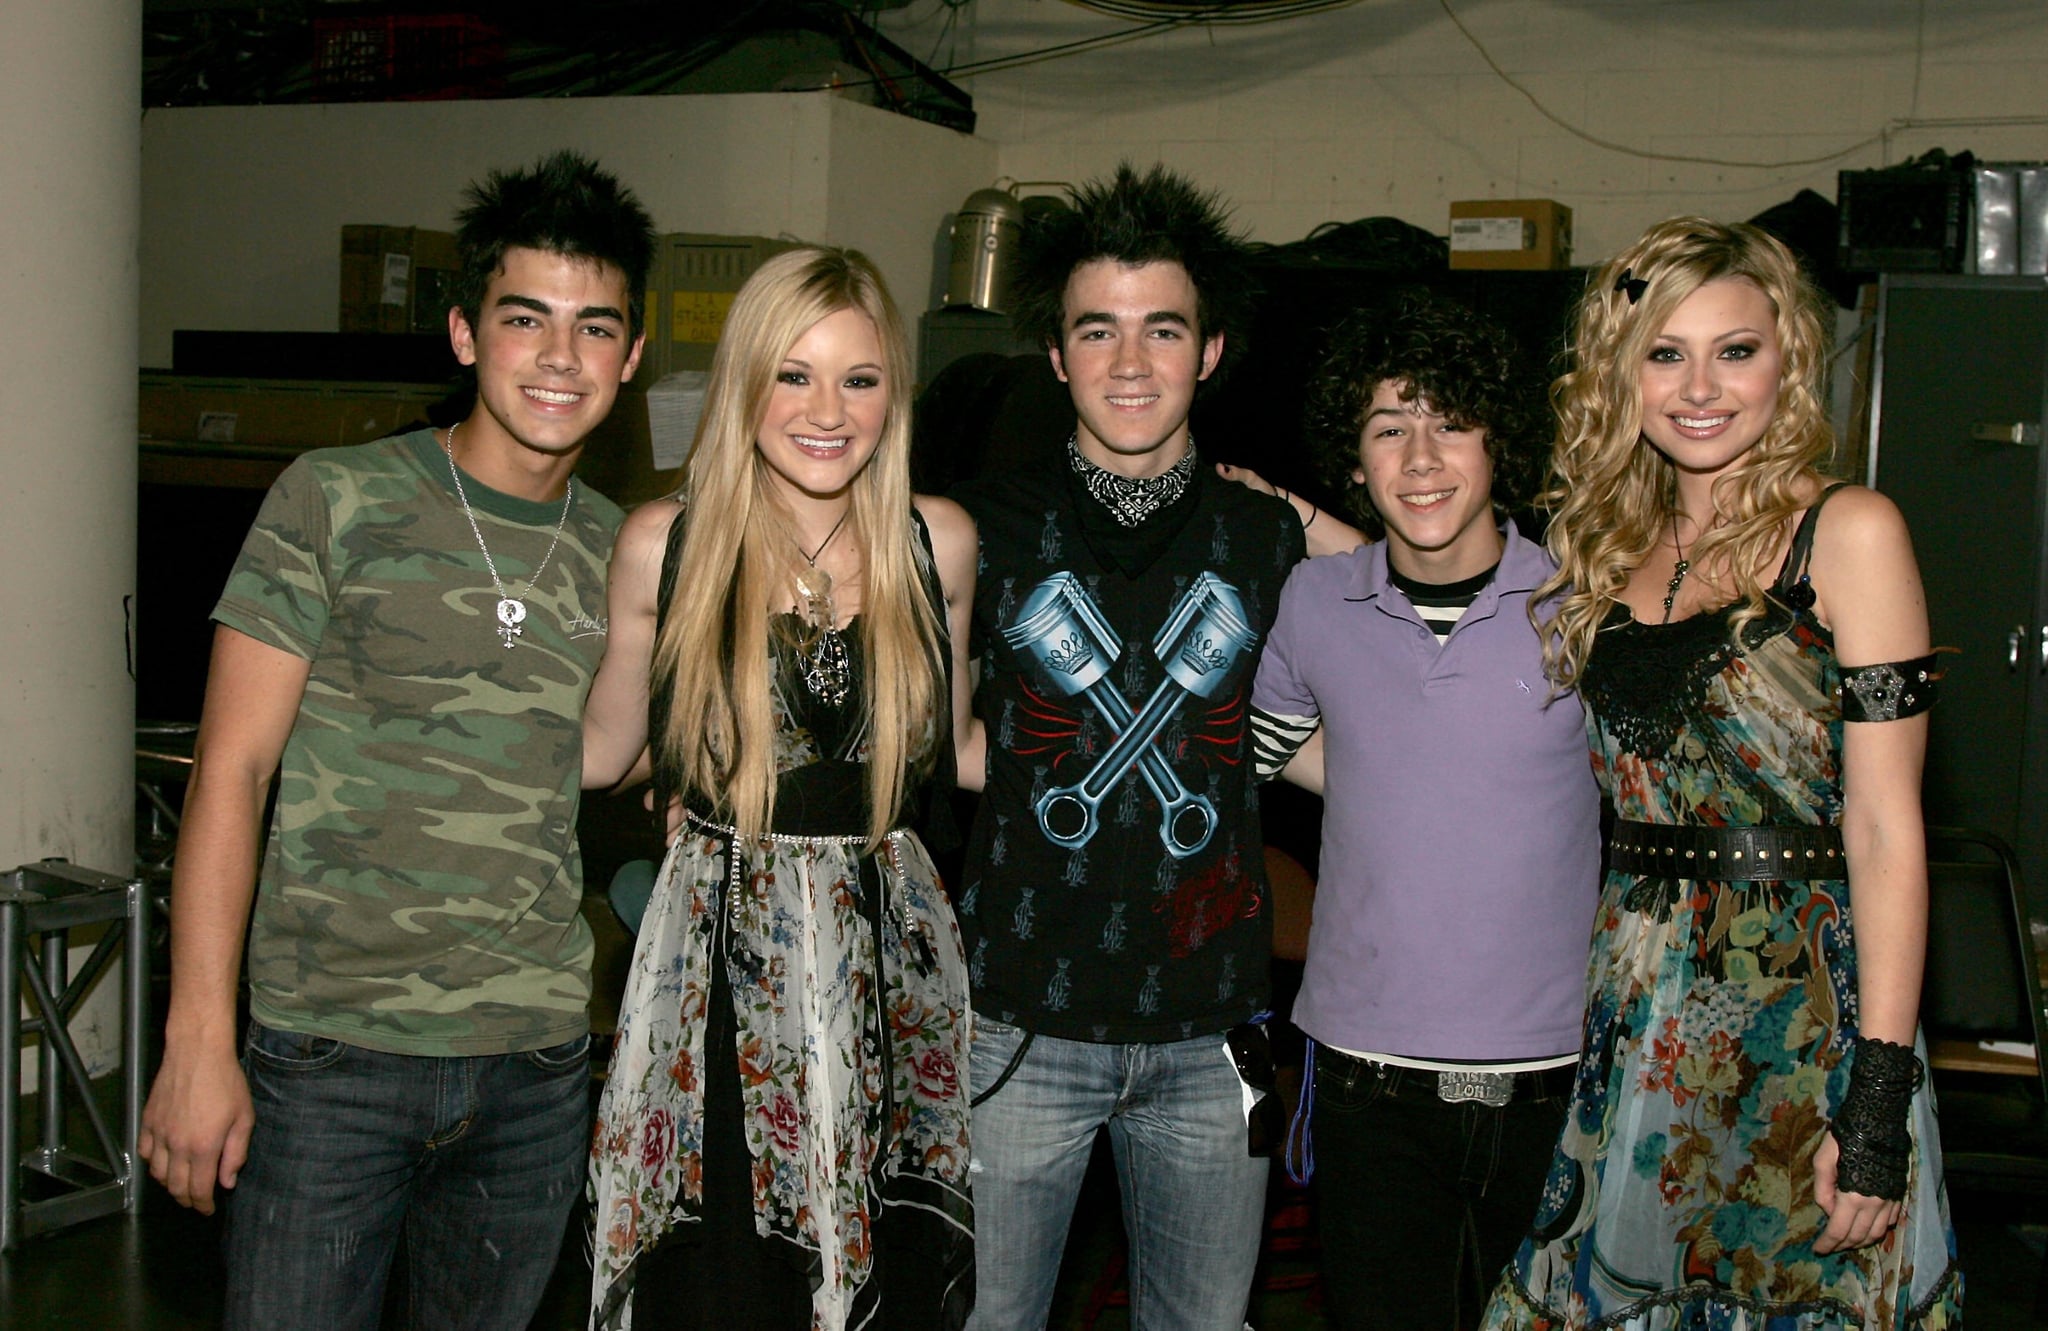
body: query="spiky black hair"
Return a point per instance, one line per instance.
(1463, 364)
(1158, 217)
(566, 204)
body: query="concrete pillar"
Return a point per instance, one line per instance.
(70, 160)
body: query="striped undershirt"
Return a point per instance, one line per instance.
(1442, 604)
(1276, 739)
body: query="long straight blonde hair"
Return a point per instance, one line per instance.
(738, 562)
(1612, 493)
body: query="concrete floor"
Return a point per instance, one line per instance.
(160, 1272)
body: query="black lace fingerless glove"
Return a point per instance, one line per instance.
(1870, 1123)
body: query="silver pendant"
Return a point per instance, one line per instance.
(814, 584)
(826, 671)
(511, 613)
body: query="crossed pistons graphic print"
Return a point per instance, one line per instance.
(1060, 628)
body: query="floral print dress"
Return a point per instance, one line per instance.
(842, 979)
(1720, 1018)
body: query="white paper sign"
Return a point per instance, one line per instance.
(397, 277)
(1492, 233)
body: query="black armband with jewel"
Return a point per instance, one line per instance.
(1870, 1123)
(1889, 690)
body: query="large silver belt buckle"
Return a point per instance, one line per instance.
(1493, 1089)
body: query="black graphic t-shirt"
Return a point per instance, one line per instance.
(1115, 882)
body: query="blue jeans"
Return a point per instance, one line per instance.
(1193, 1198)
(476, 1161)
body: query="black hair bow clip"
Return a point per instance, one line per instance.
(1633, 285)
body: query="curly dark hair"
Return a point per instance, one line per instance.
(1158, 217)
(1463, 364)
(566, 204)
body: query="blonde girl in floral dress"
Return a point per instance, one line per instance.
(1751, 1143)
(782, 1141)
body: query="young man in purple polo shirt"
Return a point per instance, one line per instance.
(1460, 861)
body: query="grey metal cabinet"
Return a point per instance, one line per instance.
(1960, 383)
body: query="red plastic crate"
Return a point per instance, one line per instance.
(407, 57)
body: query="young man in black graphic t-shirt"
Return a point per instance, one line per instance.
(1114, 901)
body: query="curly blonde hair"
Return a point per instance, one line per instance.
(738, 561)
(1611, 493)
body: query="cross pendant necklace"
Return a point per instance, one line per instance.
(1678, 570)
(511, 609)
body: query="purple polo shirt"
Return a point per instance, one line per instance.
(1461, 856)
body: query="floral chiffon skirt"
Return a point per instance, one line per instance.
(848, 995)
(1718, 1033)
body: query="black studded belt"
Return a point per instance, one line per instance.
(1726, 854)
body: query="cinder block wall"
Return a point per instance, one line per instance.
(242, 206)
(1386, 108)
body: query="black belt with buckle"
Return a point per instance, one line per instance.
(1727, 854)
(1480, 1085)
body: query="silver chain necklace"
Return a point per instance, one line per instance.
(827, 672)
(1132, 499)
(511, 609)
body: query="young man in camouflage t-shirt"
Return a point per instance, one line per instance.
(406, 641)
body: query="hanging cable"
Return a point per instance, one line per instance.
(1222, 12)
(1625, 149)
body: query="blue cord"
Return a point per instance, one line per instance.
(1300, 1152)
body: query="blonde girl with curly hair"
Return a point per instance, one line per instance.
(782, 1141)
(1751, 1143)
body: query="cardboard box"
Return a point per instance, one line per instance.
(1511, 233)
(694, 280)
(276, 413)
(396, 279)
(620, 459)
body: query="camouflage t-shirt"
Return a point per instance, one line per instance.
(421, 888)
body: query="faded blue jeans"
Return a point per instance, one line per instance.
(1193, 1198)
(476, 1161)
